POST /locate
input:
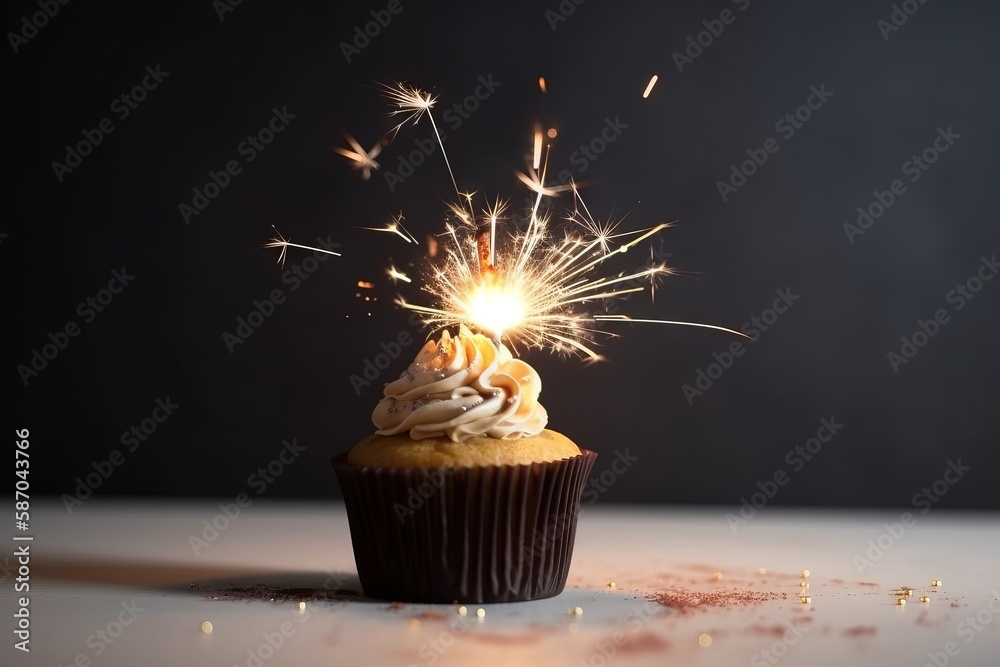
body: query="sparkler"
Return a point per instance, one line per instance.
(529, 288)
(513, 278)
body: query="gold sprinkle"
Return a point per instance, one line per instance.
(300, 605)
(207, 627)
(936, 582)
(761, 570)
(481, 613)
(901, 601)
(806, 599)
(804, 584)
(612, 584)
(805, 574)
(718, 576)
(462, 611)
(705, 640)
(573, 628)
(575, 611)
(924, 598)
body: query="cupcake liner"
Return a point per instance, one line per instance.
(471, 535)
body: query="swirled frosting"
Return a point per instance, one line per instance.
(463, 386)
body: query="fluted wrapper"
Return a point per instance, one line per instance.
(470, 535)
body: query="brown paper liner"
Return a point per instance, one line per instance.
(471, 535)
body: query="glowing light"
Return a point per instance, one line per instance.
(525, 284)
(541, 84)
(364, 284)
(649, 86)
(363, 160)
(552, 133)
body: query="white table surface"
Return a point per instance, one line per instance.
(111, 553)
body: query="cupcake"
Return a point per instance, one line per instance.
(462, 494)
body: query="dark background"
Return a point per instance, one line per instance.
(824, 358)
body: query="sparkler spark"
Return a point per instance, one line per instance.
(528, 286)
(363, 160)
(280, 241)
(395, 226)
(649, 86)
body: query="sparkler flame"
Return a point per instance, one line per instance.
(527, 286)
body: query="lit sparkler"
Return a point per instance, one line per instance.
(530, 287)
(524, 284)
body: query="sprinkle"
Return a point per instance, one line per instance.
(761, 570)
(705, 640)
(207, 627)
(718, 576)
(901, 601)
(806, 599)
(924, 598)
(575, 611)
(804, 584)
(481, 613)
(805, 574)
(300, 605)
(612, 585)
(936, 582)
(462, 611)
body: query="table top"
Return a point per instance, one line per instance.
(132, 582)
